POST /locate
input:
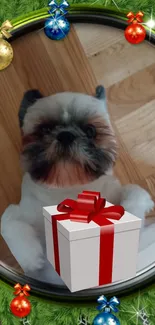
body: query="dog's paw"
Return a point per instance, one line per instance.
(148, 203)
(136, 200)
(23, 242)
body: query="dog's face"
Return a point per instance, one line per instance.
(67, 140)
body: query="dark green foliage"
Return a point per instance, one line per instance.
(53, 313)
(11, 9)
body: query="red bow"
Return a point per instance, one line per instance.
(22, 290)
(89, 206)
(136, 18)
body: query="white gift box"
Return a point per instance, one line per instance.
(79, 249)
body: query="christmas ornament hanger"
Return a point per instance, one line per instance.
(146, 276)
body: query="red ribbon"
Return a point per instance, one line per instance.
(22, 290)
(91, 207)
(136, 18)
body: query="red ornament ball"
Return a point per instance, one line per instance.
(20, 306)
(135, 33)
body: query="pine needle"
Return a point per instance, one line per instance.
(46, 312)
(15, 8)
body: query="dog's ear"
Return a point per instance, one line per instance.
(29, 98)
(100, 93)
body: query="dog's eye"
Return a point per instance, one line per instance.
(44, 129)
(90, 130)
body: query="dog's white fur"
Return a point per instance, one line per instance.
(22, 226)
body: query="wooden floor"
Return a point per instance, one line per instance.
(99, 55)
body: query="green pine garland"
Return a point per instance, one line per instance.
(11, 9)
(46, 312)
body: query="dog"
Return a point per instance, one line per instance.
(69, 146)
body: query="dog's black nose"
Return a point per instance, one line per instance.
(66, 137)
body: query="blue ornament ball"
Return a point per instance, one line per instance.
(56, 28)
(106, 319)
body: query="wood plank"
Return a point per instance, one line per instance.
(137, 130)
(132, 93)
(112, 58)
(53, 66)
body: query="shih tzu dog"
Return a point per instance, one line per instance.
(68, 146)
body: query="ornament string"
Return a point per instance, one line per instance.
(5, 29)
(143, 317)
(25, 321)
(83, 320)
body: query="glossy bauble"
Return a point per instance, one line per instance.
(6, 54)
(57, 28)
(135, 33)
(106, 319)
(20, 306)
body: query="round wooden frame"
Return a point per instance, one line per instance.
(143, 278)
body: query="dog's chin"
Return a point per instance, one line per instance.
(66, 174)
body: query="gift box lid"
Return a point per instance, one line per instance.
(72, 230)
(78, 230)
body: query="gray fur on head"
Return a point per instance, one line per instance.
(68, 139)
(29, 98)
